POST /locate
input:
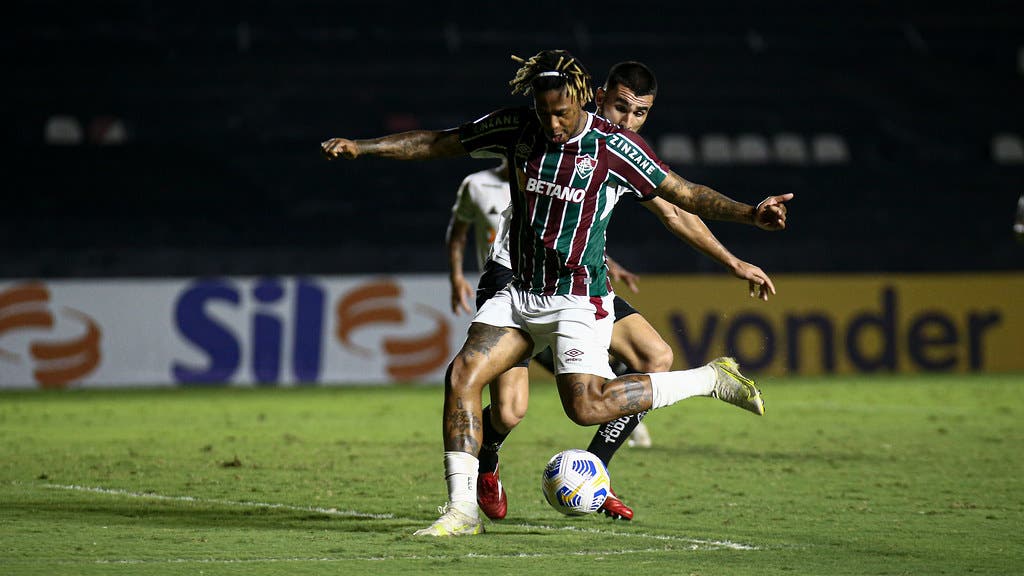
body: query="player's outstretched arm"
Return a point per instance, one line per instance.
(412, 145)
(692, 230)
(703, 201)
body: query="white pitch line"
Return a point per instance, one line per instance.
(692, 543)
(117, 492)
(662, 537)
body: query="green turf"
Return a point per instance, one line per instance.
(909, 475)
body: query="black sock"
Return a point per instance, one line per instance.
(492, 443)
(610, 436)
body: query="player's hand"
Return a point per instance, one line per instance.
(770, 214)
(462, 294)
(339, 148)
(619, 274)
(759, 282)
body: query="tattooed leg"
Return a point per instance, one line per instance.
(487, 352)
(629, 394)
(588, 399)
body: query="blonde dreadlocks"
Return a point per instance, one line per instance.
(551, 69)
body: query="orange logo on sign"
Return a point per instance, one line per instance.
(57, 363)
(377, 303)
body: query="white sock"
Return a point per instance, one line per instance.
(460, 471)
(671, 387)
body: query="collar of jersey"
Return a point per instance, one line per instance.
(586, 128)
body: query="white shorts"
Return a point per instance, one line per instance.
(577, 328)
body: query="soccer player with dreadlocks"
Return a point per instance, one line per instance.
(569, 167)
(626, 99)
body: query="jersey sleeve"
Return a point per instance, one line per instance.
(491, 136)
(464, 207)
(635, 164)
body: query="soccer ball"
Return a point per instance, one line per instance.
(575, 482)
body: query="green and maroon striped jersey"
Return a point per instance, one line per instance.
(563, 195)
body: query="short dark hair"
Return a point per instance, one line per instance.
(553, 70)
(633, 75)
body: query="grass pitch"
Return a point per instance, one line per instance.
(887, 475)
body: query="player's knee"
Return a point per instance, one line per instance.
(583, 415)
(574, 413)
(508, 416)
(655, 357)
(583, 399)
(585, 410)
(461, 376)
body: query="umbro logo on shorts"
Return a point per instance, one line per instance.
(573, 353)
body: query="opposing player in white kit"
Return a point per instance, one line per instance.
(570, 167)
(479, 203)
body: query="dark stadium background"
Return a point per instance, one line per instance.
(200, 125)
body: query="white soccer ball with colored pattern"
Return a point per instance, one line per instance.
(575, 482)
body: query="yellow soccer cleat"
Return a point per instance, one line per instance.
(452, 522)
(735, 388)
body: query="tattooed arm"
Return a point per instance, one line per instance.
(703, 201)
(412, 145)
